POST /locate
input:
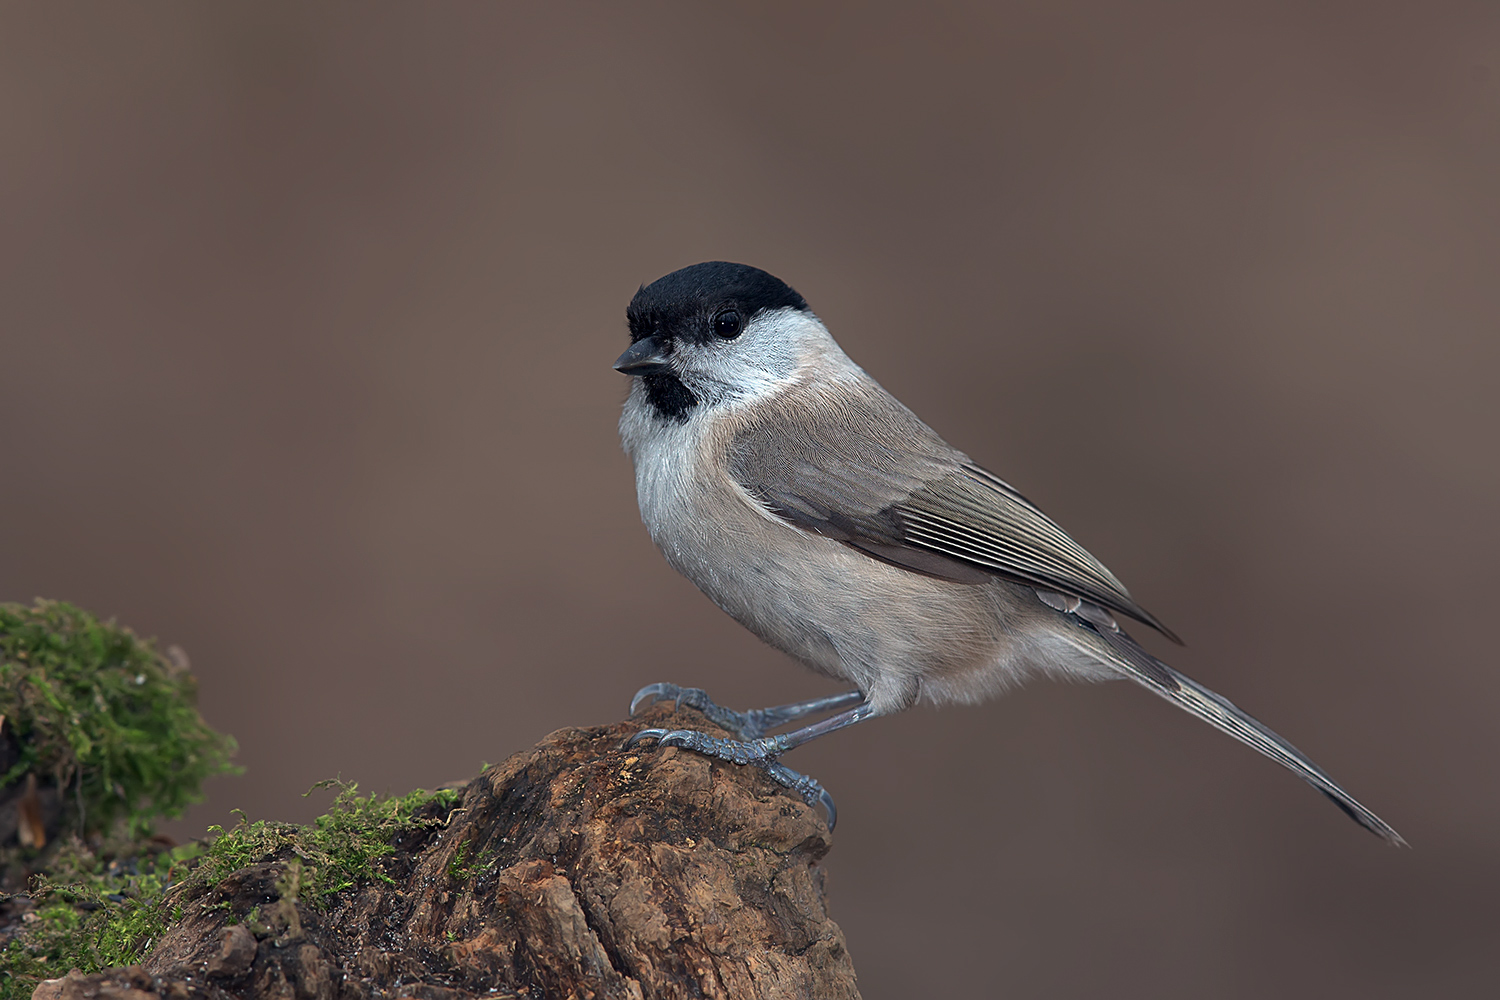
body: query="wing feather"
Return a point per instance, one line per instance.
(1221, 713)
(892, 488)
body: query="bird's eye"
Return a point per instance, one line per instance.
(727, 324)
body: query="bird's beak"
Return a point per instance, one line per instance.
(648, 354)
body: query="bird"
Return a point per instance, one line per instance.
(823, 515)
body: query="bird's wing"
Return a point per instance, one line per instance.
(849, 462)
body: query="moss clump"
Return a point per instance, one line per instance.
(103, 717)
(107, 723)
(94, 912)
(338, 850)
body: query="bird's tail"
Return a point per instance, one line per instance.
(1140, 666)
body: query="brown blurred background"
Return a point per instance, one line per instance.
(306, 318)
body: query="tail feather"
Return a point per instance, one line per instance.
(1224, 715)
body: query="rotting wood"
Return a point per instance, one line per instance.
(574, 869)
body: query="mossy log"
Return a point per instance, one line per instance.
(575, 869)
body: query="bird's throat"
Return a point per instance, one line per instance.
(668, 396)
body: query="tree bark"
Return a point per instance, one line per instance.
(577, 869)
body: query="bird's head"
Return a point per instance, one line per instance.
(713, 334)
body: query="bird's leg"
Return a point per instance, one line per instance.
(748, 725)
(763, 752)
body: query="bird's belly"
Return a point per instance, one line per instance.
(895, 634)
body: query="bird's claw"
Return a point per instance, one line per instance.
(748, 725)
(655, 734)
(652, 693)
(812, 793)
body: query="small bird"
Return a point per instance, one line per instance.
(825, 517)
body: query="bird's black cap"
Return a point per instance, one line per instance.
(682, 303)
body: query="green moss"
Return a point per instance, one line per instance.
(462, 868)
(105, 717)
(94, 913)
(339, 850)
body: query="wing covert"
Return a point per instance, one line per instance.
(893, 489)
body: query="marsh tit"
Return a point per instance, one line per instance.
(825, 517)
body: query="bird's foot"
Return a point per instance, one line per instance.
(760, 752)
(747, 725)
